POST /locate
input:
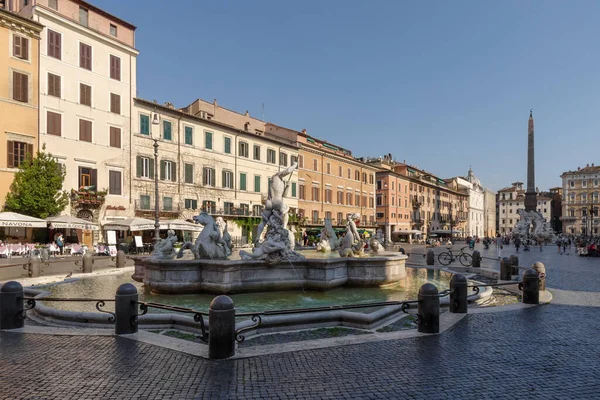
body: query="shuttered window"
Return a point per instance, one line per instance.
(54, 41)
(88, 177)
(114, 182)
(227, 179)
(115, 103)
(53, 123)
(20, 87)
(188, 172)
(85, 130)
(144, 167)
(167, 132)
(189, 135)
(85, 94)
(18, 152)
(144, 124)
(115, 67)
(257, 183)
(208, 176)
(54, 85)
(85, 56)
(115, 137)
(21, 47)
(168, 170)
(242, 181)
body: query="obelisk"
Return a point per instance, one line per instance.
(530, 194)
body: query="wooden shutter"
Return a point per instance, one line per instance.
(151, 168)
(29, 151)
(24, 88)
(115, 68)
(85, 94)
(162, 170)
(85, 130)
(11, 155)
(174, 171)
(115, 137)
(53, 126)
(54, 44)
(16, 86)
(94, 178)
(213, 176)
(138, 166)
(25, 49)
(115, 103)
(85, 56)
(80, 183)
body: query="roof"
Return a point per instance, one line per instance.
(588, 169)
(100, 11)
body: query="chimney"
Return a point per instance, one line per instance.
(215, 102)
(304, 131)
(247, 114)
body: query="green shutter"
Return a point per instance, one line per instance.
(144, 124)
(242, 181)
(162, 170)
(293, 189)
(189, 134)
(257, 183)
(228, 145)
(167, 130)
(151, 168)
(208, 140)
(212, 175)
(174, 171)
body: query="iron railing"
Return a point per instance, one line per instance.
(198, 315)
(32, 302)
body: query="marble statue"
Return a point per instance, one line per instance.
(376, 242)
(165, 249)
(213, 242)
(278, 244)
(352, 245)
(329, 240)
(532, 225)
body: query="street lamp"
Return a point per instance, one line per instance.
(385, 200)
(156, 121)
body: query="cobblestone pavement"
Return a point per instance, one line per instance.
(546, 352)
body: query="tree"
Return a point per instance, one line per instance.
(37, 187)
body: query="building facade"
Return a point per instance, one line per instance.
(511, 200)
(581, 200)
(476, 218)
(87, 81)
(332, 183)
(19, 81)
(205, 165)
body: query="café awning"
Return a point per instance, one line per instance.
(132, 224)
(16, 220)
(407, 232)
(68, 221)
(180, 225)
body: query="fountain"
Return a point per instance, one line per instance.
(533, 225)
(273, 264)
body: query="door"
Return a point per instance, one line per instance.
(86, 238)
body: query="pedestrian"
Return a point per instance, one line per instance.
(517, 243)
(60, 243)
(305, 238)
(499, 245)
(559, 245)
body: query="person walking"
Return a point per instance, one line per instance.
(60, 242)
(517, 243)
(499, 245)
(305, 238)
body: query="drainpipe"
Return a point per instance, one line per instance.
(235, 171)
(130, 133)
(179, 160)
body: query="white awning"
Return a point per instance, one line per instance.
(11, 219)
(132, 224)
(68, 221)
(180, 225)
(407, 232)
(446, 231)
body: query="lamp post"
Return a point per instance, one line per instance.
(156, 121)
(385, 200)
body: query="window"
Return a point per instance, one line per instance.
(54, 44)
(349, 199)
(115, 137)
(242, 181)
(189, 135)
(583, 183)
(85, 56)
(293, 189)
(18, 152)
(256, 152)
(340, 197)
(283, 159)
(208, 136)
(340, 171)
(85, 94)
(144, 167)
(191, 204)
(357, 175)
(114, 183)
(85, 130)
(115, 103)
(228, 208)
(115, 67)
(53, 4)
(315, 215)
(83, 16)
(167, 134)
(243, 149)
(328, 196)
(144, 124)
(357, 200)
(300, 161)
(371, 179)
(88, 177)
(113, 32)
(349, 173)
(340, 218)
(20, 87)
(301, 192)
(53, 123)
(144, 202)
(227, 177)
(227, 145)
(188, 173)
(167, 203)
(271, 156)
(53, 85)
(315, 164)
(21, 47)
(168, 170)
(379, 200)
(208, 176)
(293, 160)
(257, 183)
(315, 193)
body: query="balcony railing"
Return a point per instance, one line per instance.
(144, 206)
(88, 198)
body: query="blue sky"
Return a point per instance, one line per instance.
(440, 84)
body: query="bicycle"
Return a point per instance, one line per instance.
(448, 257)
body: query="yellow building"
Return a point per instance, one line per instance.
(19, 72)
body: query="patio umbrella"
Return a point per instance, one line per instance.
(132, 224)
(11, 219)
(180, 225)
(68, 221)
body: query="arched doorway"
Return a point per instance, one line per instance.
(86, 234)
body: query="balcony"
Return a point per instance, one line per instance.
(87, 198)
(146, 209)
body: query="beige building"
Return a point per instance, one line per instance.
(580, 201)
(19, 66)
(512, 199)
(205, 165)
(331, 182)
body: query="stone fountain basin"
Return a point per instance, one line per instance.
(239, 276)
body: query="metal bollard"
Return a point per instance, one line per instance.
(505, 269)
(126, 309)
(221, 328)
(401, 250)
(11, 305)
(120, 259)
(476, 259)
(531, 287)
(88, 262)
(514, 261)
(458, 297)
(430, 257)
(540, 268)
(34, 266)
(429, 309)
